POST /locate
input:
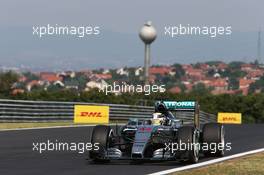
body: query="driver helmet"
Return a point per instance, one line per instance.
(157, 118)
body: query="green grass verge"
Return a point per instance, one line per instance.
(33, 125)
(44, 124)
(253, 164)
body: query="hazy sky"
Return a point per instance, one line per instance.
(126, 16)
(120, 19)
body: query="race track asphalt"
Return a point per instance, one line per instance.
(17, 157)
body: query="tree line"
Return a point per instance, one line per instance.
(251, 106)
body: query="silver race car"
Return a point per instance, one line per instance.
(163, 137)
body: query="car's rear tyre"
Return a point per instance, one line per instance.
(101, 136)
(189, 136)
(214, 138)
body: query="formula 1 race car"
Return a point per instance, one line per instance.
(164, 137)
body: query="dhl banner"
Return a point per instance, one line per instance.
(232, 118)
(91, 114)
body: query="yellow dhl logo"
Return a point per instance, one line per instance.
(91, 114)
(231, 118)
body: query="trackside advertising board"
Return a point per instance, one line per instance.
(177, 105)
(91, 114)
(231, 118)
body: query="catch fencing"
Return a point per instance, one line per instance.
(51, 111)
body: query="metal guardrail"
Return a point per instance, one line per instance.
(35, 111)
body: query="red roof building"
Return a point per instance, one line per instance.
(186, 66)
(188, 86)
(222, 66)
(163, 70)
(17, 91)
(244, 85)
(247, 67)
(218, 92)
(195, 74)
(204, 66)
(175, 90)
(50, 77)
(103, 76)
(219, 84)
(255, 74)
(33, 83)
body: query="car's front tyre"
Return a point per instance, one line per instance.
(189, 136)
(101, 136)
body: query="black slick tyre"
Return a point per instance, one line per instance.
(189, 136)
(214, 138)
(101, 136)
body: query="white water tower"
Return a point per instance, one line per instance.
(147, 34)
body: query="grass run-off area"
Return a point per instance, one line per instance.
(33, 125)
(248, 165)
(46, 124)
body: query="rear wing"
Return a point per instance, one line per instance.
(193, 106)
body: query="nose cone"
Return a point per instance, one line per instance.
(148, 33)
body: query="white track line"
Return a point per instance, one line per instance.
(207, 162)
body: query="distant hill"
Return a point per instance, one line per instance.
(19, 47)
